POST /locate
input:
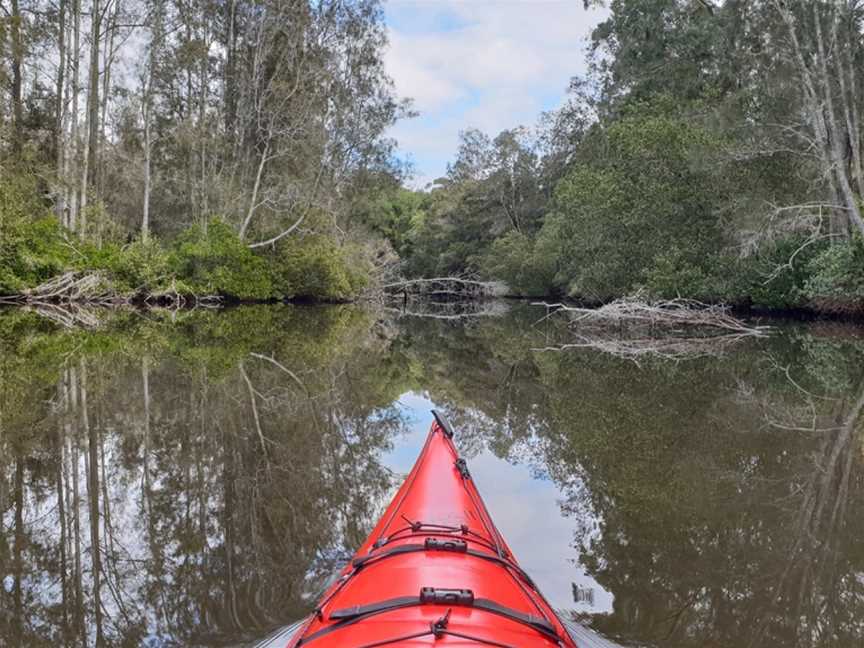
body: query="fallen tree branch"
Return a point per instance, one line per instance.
(90, 287)
(67, 315)
(96, 289)
(449, 286)
(672, 314)
(635, 328)
(453, 311)
(666, 348)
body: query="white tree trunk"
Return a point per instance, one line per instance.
(75, 202)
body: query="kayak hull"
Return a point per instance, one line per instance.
(435, 570)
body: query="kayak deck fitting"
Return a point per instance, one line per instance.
(434, 572)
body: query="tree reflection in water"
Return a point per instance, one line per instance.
(233, 458)
(728, 491)
(160, 481)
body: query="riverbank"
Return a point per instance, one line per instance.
(208, 264)
(42, 261)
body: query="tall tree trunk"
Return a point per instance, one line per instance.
(819, 103)
(74, 455)
(229, 482)
(17, 81)
(229, 81)
(75, 202)
(18, 556)
(107, 60)
(61, 512)
(203, 86)
(148, 150)
(188, 19)
(145, 211)
(835, 133)
(60, 116)
(147, 114)
(847, 70)
(92, 433)
(253, 200)
(92, 163)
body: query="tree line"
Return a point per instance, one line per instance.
(713, 150)
(125, 120)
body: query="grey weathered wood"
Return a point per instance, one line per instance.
(447, 287)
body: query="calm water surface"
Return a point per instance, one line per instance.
(195, 479)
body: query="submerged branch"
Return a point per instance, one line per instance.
(450, 286)
(634, 328)
(663, 315)
(663, 347)
(451, 311)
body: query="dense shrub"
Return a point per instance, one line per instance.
(32, 244)
(641, 211)
(837, 272)
(315, 267)
(211, 259)
(138, 267)
(32, 252)
(516, 260)
(775, 276)
(674, 273)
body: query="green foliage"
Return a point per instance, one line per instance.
(315, 267)
(673, 273)
(491, 190)
(211, 259)
(838, 271)
(32, 245)
(205, 259)
(641, 212)
(775, 276)
(138, 267)
(523, 266)
(650, 176)
(395, 215)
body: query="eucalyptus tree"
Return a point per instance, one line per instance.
(824, 43)
(167, 112)
(313, 105)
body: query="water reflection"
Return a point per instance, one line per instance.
(729, 491)
(181, 484)
(193, 482)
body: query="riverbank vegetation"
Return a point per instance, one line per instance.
(712, 151)
(205, 148)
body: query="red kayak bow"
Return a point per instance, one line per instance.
(435, 571)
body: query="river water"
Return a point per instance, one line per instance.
(194, 478)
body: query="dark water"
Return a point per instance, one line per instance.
(234, 458)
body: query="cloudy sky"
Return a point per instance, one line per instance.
(487, 64)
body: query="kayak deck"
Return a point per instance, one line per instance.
(435, 570)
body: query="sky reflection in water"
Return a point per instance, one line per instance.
(525, 509)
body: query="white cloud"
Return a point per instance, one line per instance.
(488, 64)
